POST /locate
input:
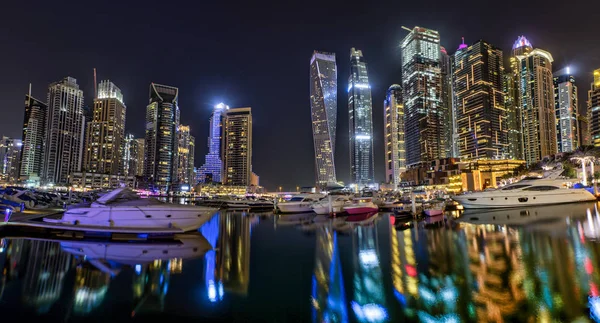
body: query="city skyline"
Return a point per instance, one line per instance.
(204, 89)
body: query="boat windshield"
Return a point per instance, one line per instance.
(515, 187)
(296, 199)
(541, 188)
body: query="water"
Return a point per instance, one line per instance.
(526, 265)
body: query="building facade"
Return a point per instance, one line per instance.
(237, 147)
(105, 142)
(450, 127)
(95, 181)
(34, 132)
(360, 115)
(65, 124)
(133, 156)
(425, 118)
(185, 166)
(514, 149)
(583, 130)
(323, 105)
(565, 108)
(10, 153)
(161, 141)
(536, 100)
(479, 101)
(395, 153)
(212, 161)
(593, 110)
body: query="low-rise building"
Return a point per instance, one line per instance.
(93, 181)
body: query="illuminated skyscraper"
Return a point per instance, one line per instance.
(425, 117)
(10, 151)
(133, 156)
(65, 127)
(212, 163)
(185, 172)
(237, 147)
(139, 168)
(593, 110)
(360, 115)
(479, 101)
(323, 105)
(34, 131)
(395, 154)
(106, 132)
(513, 117)
(583, 130)
(162, 120)
(565, 108)
(450, 135)
(536, 100)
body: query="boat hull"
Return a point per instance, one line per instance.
(433, 212)
(352, 210)
(167, 216)
(511, 200)
(292, 207)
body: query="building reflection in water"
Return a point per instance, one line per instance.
(368, 304)
(151, 284)
(328, 297)
(91, 286)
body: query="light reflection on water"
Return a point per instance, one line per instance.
(517, 265)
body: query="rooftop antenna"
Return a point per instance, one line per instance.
(407, 29)
(95, 85)
(29, 91)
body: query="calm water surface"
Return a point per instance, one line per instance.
(522, 265)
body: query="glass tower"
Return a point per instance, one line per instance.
(237, 147)
(536, 100)
(186, 156)
(162, 121)
(34, 130)
(479, 101)
(565, 108)
(213, 164)
(323, 105)
(593, 110)
(425, 115)
(360, 115)
(395, 153)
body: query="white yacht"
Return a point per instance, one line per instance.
(123, 208)
(524, 193)
(300, 203)
(337, 204)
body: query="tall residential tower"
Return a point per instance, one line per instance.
(593, 110)
(360, 115)
(237, 147)
(162, 121)
(395, 154)
(65, 125)
(565, 108)
(34, 131)
(425, 115)
(212, 163)
(323, 106)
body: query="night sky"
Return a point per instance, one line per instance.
(257, 54)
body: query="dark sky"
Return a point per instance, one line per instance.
(257, 53)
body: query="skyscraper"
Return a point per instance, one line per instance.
(514, 149)
(593, 110)
(162, 120)
(395, 154)
(536, 100)
(425, 118)
(132, 155)
(34, 131)
(479, 101)
(212, 162)
(106, 132)
(10, 151)
(237, 147)
(186, 156)
(323, 106)
(450, 135)
(141, 144)
(360, 115)
(64, 132)
(565, 108)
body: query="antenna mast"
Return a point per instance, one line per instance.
(95, 85)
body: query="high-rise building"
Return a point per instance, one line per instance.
(536, 100)
(34, 131)
(395, 154)
(583, 130)
(162, 120)
(360, 115)
(565, 108)
(105, 140)
(133, 156)
(212, 162)
(323, 106)
(10, 153)
(450, 135)
(237, 147)
(185, 172)
(65, 124)
(479, 101)
(514, 150)
(425, 118)
(593, 110)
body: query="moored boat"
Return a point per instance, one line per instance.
(361, 205)
(301, 203)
